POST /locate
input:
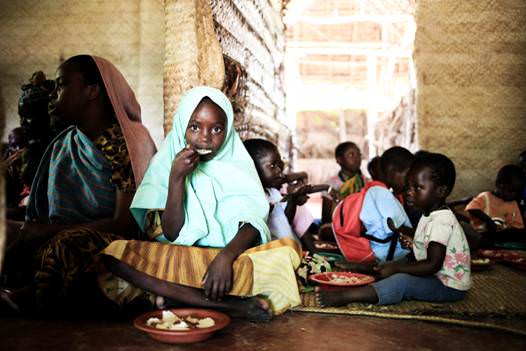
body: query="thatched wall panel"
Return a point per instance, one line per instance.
(471, 69)
(251, 33)
(37, 34)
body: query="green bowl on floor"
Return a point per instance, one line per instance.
(331, 257)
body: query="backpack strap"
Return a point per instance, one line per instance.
(393, 239)
(392, 247)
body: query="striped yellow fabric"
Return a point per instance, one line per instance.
(263, 270)
(274, 275)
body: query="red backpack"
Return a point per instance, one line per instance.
(348, 229)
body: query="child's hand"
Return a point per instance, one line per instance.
(184, 162)
(391, 225)
(334, 194)
(406, 242)
(298, 195)
(217, 281)
(402, 230)
(297, 177)
(385, 270)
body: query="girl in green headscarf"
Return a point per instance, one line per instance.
(202, 190)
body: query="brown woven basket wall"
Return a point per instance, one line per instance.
(471, 104)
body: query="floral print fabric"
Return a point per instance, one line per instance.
(311, 265)
(442, 227)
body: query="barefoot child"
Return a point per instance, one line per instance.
(203, 203)
(287, 219)
(441, 272)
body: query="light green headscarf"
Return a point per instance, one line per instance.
(220, 193)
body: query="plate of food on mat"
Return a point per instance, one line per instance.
(519, 263)
(480, 263)
(342, 278)
(326, 246)
(500, 254)
(181, 325)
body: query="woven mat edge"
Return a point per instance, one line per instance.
(435, 319)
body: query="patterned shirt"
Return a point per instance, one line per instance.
(113, 146)
(346, 185)
(442, 227)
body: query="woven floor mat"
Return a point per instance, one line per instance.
(496, 300)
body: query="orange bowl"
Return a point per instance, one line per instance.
(330, 278)
(182, 336)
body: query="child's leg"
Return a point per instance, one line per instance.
(402, 286)
(253, 308)
(345, 296)
(393, 290)
(325, 233)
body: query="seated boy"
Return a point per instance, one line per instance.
(349, 179)
(379, 204)
(286, 219)
(496, 214)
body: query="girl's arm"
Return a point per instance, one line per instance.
(173, 216)
(402, 230)
(122, 222)
(436, 254)
(217, 281)
(297, 196)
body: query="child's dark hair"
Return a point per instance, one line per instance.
(442, 169)
(421, 153)
(512, 175)
(259, 148)
(396, 158)
(342, 147)
(374, 167)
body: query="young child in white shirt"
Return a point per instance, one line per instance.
(288, 218)
(442, 269)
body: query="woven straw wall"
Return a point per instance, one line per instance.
(192, 53)
(251, 33)
(37, 34)
(2, 200)
(471, 63)
(235, 45)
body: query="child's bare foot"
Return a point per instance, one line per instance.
(164, 302)
(331, 298)
(254, 309)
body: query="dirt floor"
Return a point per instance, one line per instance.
(293, 331)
